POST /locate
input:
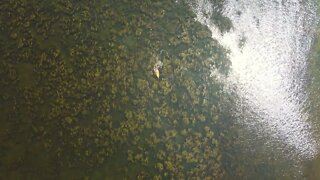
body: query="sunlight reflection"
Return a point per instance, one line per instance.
(269, 43)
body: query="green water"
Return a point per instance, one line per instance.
(312, 167)
(79, 100)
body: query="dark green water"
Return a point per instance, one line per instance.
(79, 99)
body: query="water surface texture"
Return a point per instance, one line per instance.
(158, 89)
(269, 45)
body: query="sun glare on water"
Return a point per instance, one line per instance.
(269, 44)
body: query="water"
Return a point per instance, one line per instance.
(79, 99)
(236, 96)
(269, 45)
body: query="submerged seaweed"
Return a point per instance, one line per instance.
(78, 98)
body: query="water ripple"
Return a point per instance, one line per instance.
(269, 45)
